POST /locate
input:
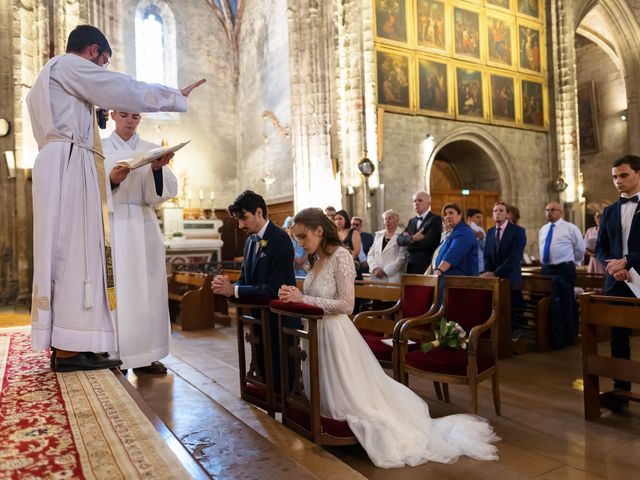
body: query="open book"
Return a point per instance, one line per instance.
(140, 158)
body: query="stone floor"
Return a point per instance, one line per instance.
(544, 435)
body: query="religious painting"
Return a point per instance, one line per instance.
(433, 83)
(500, 33)
(430, 24)
(529, 7)
(588, 118)
(533, 103)
(529, 41)
(393, 78)
(466, 28)
(500, 3)
(503, 104)
(391, 20)
(469, 93)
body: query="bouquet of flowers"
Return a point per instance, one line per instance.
(448, 334)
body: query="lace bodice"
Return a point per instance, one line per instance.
(329, 285)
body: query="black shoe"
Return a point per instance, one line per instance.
(616, 405)
(155, 367)
(83, 361)
(53, 357)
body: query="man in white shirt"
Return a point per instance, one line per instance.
(143, 324)
(561, 249)
(71, 245)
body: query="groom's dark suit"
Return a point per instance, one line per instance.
(268, 264)
(609, 246)
(421, 253)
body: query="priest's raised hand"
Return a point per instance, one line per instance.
(187, 90)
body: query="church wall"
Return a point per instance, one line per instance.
(203, 51)
(593, 64)
(264, 149)
(403, 166)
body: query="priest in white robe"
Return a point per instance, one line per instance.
(71, 306)
(142, 312)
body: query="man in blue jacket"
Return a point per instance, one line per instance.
(503, 249)
(618, 246)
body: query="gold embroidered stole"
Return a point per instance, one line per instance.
(102, 183)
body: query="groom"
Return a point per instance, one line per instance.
(268, 264)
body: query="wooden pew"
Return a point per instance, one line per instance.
(536, 290)
(602, 310)
(191, 298)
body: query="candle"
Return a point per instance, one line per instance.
(189, 195)
(201, 195)
(211, 195)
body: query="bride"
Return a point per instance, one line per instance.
(390, 421)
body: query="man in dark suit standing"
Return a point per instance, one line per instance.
(422, 235)
(503, 249)
(267, 265)
(618, 246)
(367, 240)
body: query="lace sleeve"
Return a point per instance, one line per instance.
(344, 273)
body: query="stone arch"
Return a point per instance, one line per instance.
(626, 33)
(490, 146)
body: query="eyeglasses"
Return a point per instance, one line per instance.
(135, 116)
(107, 59)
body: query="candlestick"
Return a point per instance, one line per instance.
(201, 195)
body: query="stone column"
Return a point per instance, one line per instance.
(309, 64)
(564, 79)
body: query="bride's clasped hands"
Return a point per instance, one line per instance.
(289, 294)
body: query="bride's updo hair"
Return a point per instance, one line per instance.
(312, 218)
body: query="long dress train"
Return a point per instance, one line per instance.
(389, 420)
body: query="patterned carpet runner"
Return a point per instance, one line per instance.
(80, 425)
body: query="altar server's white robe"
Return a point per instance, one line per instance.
(142, 314)
(69, 307)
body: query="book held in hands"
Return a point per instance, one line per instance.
(140, 158)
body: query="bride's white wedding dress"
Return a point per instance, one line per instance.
(390, 421)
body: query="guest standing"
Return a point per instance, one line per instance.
(422, 235)
(619, 246)
(590, 238)
(386, 258)
(458, 254)
(561, 249)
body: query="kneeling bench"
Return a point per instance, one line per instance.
(256, 383)
(299, 412)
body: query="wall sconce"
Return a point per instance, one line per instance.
(560, 184)
(624, 115)
(466, 192)
(429, 136)
(10, 161)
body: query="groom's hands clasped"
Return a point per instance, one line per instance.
(289, 294)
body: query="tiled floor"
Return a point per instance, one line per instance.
(543, 431)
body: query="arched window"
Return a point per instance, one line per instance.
(156, 43)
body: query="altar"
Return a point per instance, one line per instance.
(184, 250)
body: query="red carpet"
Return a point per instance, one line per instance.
(80, 425)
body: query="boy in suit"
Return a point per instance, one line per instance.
(618, 246)
(503, 249)
(267, 265)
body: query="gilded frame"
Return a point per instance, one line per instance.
(465, 76)
(460, 40)
(424, 63)
(524, 7)
(544, 119)
(493, 57)
(381, 23)
(420, 30)
(389, 78)
(526, 59)
(498, 5)
(499, 98)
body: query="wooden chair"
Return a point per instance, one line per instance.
(418, 299)
(602, 310)
(256, 385)
(473, 303)
(301, 413)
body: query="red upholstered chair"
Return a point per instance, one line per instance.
(256, 386)
(418, 298)
(472, 302)
(300, 412)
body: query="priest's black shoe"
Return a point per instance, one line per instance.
(84, 361)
